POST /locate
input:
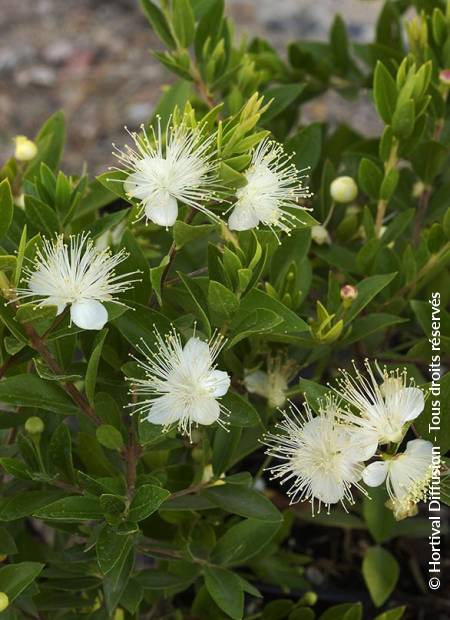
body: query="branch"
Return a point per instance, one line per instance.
(78, 398)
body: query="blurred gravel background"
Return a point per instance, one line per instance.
(91, 58)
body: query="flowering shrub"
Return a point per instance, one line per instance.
(215, 358)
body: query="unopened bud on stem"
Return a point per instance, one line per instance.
(343, 189)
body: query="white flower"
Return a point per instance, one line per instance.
(343, 189)
(382, 410)
(78, 274)
(407, 476)
(181, 383)
(272, 384)
(273, 185)
(164, 170)
(318, 456)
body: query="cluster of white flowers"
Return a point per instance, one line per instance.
(181, 165)
(324, 456)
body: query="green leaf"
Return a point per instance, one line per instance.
(135, 262)
(384, 92)
(307, 146)
(147, 499)
(60, 451)
(389, 184)
(371, 324)
(109, 437)
(175, 96)
(116, 580)
(344, 611)
(243, 501)
(379, 519)
(32, 313)
(392, 614)
(183, 22)
(158, 579)
(339, 44)
(242, 413)
(198, 301)
(403, 119)
(141, 322)
(50, 143)
(223, 448)
(185, 233)
(110, 548)
(380, 571)
(222, 303)
(25, 503)
(42, 217)
(157, 19)
(71, 509)
(370, 177)
(226, 590)
(30, 391)
(281, 97)
(291, 323)
(92, 367)
(7, 544)
(6, 207)
(428, 160)
(258, 321)
(243, 541)
(15, 578)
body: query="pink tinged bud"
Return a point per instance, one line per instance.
(348, 293)
(444, 76)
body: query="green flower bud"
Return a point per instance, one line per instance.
(343, 189)
(4, 601)
(34, 425)
(309, 598)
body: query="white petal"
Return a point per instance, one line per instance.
(195, 350)
(375, 473)
(327, 488)
(410, 403)
(257, 382)
(364, 444)
(55, 301)
(164, 411)
(243, 218)
(419, 447)
(219, 382)
(88, 314)
(205, 411)
(162, 209)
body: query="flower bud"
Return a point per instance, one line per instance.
(25, 149)
(444, 77)
(34, 425)
(319, 235)
(4, 601)
(348, 294)
(343, 189)
(309, 598)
